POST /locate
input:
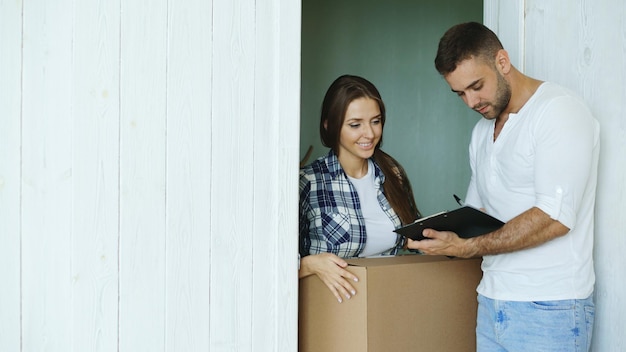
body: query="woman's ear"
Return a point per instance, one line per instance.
(326, 125)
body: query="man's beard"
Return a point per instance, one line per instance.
(503, 97)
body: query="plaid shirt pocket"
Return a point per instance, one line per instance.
(336, 227)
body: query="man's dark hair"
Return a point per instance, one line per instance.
(464, 41)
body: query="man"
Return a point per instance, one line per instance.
(534, 160)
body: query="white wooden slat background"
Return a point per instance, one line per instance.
(189, 100)
(148, 175)
(46, 165)
(94, 128)
(148, 188)
(142, 234)
(10, 173)
(233, 174)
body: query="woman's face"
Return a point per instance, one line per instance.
(361, 130)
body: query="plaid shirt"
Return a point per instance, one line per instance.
(330, 212)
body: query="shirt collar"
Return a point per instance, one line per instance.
(334, 167)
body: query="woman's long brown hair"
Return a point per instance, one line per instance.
(340, 94)
(397, 187)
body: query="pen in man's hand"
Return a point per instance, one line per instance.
(458, 200)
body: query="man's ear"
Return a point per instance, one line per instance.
(503, 63)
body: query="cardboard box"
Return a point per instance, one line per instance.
(404, 303)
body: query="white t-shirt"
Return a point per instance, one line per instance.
(378, 227)
(546, 156)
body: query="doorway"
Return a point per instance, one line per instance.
(393, 44)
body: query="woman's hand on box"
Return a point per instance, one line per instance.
(331, 270)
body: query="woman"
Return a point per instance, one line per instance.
(344, 211)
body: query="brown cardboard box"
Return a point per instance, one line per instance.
(404, 303)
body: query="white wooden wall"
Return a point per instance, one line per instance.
(582, 45)
(148, 175)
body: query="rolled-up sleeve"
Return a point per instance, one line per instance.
(563, 155)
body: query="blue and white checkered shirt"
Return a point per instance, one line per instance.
(330, 212)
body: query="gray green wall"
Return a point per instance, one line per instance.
(393, 44)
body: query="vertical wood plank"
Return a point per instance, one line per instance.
(142, 175)
(288, 104)
(10, 167)
(95, 173)
(276, 141)
(47, 176)
(551, 39)
(266, 181)
(598, 58)
(232, 160)
(188, 226)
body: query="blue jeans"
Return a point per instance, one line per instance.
(534, 326)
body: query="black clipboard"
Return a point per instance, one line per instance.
(465, 221)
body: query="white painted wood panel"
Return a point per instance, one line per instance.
(553, 42)
(142, 233)
(265, 211)
(95, 175)
(149, 164)
(232, 161)
(604, 57)
(274, 241)
(188, 226)
(46, 206)
(10, 144)
(287, 95)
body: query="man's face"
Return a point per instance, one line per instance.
(481, 86)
